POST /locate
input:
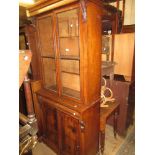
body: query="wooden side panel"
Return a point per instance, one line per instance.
(131, 105)
(124, 54)
(90, 133)
(35, 86)
(93, 54)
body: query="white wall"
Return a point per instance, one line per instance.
(129, 15)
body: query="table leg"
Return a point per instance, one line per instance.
(115, 122)
(102, 141)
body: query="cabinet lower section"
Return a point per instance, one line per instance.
(69, 133)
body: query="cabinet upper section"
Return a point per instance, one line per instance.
(69, 50)
(59, 52)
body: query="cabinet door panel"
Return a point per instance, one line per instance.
(73, 26)
(70, 66)
(71, 85)
(68, 23)
(68, 29)
(69, 46)
(75, 79)
(69, 135)
(47, 51)
(50, 125)
(63, 27)
(49, 73)
(45, 34)
(68, 37)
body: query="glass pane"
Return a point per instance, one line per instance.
(69, 52)
(70, 66)
(69, 47)
(49, 73)
(68, 33)
(68, 23)
(70, 77)
(45, 34)
(71, 84)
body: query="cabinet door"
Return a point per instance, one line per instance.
(68, 37)
(50, 126)
(69, 135)
(47, 51)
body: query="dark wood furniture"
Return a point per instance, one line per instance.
(105, 113)
(67, 97)
(127, 103)
(128, 28)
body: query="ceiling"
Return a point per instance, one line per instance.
(28, 3)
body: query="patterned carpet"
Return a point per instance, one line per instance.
(118, 146)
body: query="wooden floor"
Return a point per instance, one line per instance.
(115, 146)
(112, 146)
(42, 149)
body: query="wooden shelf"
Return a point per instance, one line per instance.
(68, 72)
(71, 92)
(68, 36)
(52, 57)
(110, 1)
(70, 57)
(53, 87)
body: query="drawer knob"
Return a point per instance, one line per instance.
(82, 126)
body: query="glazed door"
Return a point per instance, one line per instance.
(69, 53)
(50, 126)
(69, 135)
(47, 38)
